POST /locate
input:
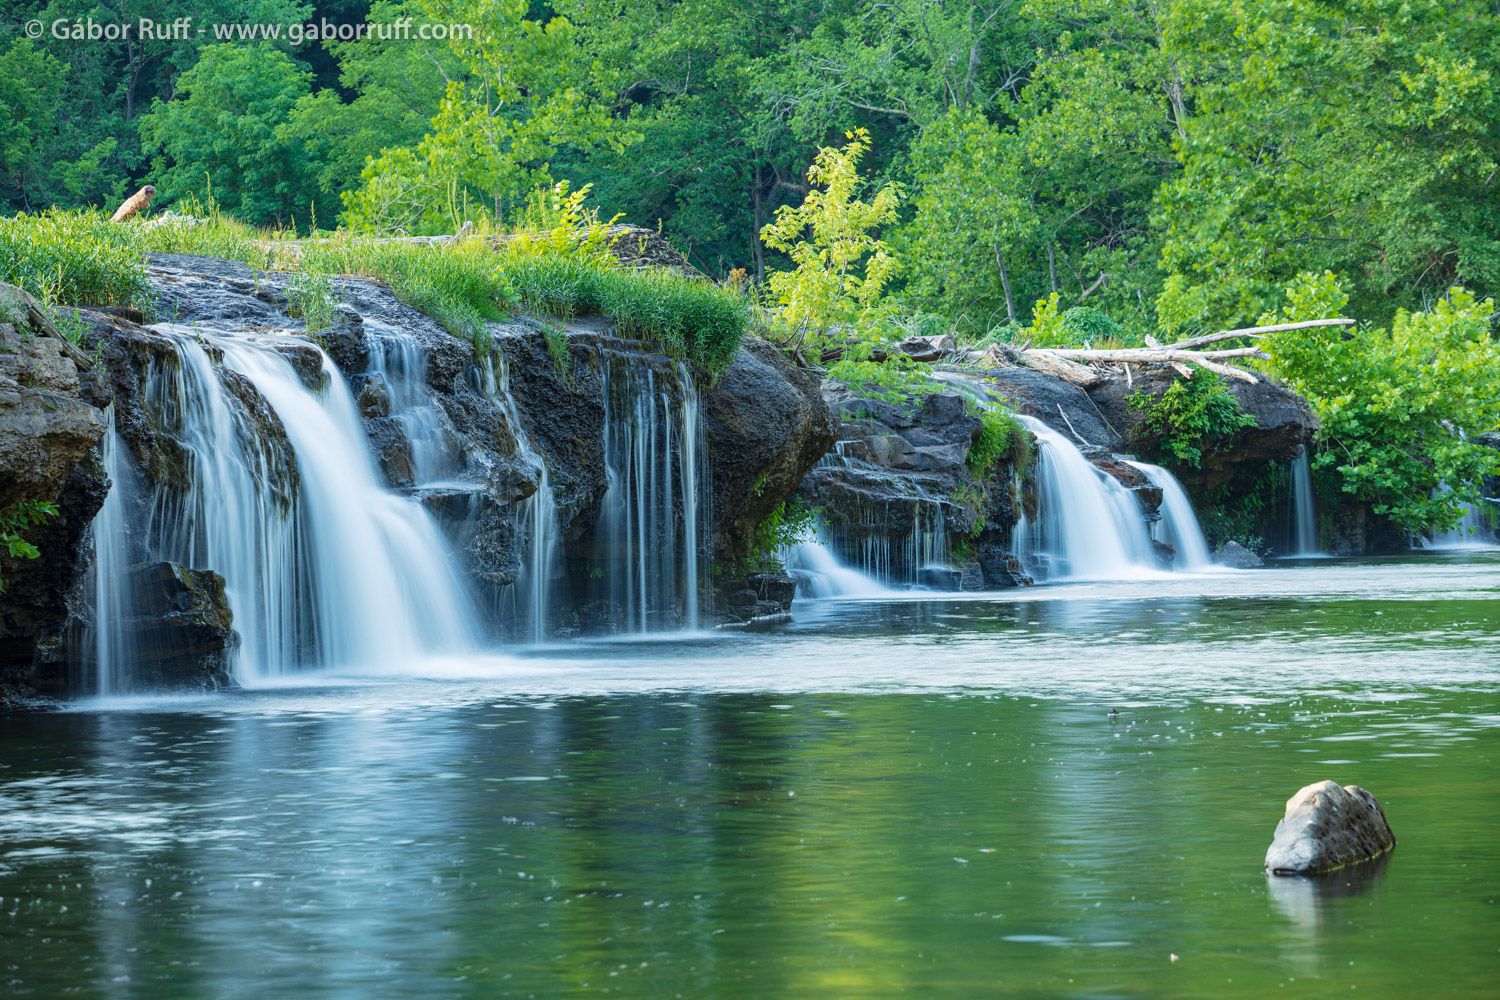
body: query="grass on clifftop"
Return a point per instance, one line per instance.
(81, 258)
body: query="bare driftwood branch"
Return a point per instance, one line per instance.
(1146, 355)
(1254, 331)
(1053, 363)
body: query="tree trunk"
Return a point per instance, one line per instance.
(1052, 266)
(1010, 303)
(759, 211)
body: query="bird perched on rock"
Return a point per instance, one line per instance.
(137, 202)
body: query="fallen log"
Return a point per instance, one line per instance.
(1250, 331)
(1145, 356)
(1053, 363)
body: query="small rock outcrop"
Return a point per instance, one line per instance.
(1327, 827)
(897, 489)
(1060, 405)
(766, 424)
(1236, 556)
(49, 428)
(182, 636)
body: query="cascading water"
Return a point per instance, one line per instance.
(322, 566)
(538, 586)
(1303, 515)
(1471, 532)
(1178, 526)
(1087, 526)
(399, 363)
(647, 540)
(891, 541)
(109, 586)
(819, 574)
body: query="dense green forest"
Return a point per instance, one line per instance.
(1171, 164)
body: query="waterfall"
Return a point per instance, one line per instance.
(648, 536)
(109, 586)
(819, 573)
(1471, 532)
(1304, 519)
(322, 565)
(399, 363)
(1178, 526)
(1087, 526)
(544, 562)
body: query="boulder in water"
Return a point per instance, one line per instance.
(1328, 827)
(1236, 556)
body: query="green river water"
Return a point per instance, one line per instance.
(915, 797)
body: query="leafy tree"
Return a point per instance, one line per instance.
(1396, 405)
(398, 86)
(530, 89)
(843, 267)
(228, 129)
(1347, 135)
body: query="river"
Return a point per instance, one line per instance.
(917, 795)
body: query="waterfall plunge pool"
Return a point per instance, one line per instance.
(919, 795)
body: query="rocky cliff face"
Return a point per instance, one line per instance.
(472, 435)
(1284, 423)
(898, 499)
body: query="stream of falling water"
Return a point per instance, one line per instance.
(1178, 526)
(1087, 526)
(647, 545)
(322, 565)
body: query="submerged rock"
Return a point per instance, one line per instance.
(1328, 827)
(1236, 556)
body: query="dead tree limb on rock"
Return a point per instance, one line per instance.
(1251, 331)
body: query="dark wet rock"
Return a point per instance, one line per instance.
(182, 636)
(1328, 827)
(1165, 554)
(766, 423)
(897, 489)
(945, 578)
(1283, 423)
(1000, 568)
(305, 359)
(744, 598)
(1060, 405)
(1147, 494)
(49, 429)
(1236, 556)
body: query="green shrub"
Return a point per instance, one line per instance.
(73, 258)
(1192, 416)
(790, 523)
(15, 521)
(1000, 434)
(1395, 405)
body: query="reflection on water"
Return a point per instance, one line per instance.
(1308, 900)
(918, 796)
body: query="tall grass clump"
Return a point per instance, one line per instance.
(458, 285)
(694, 321)
(73, 257)
(208, 232)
